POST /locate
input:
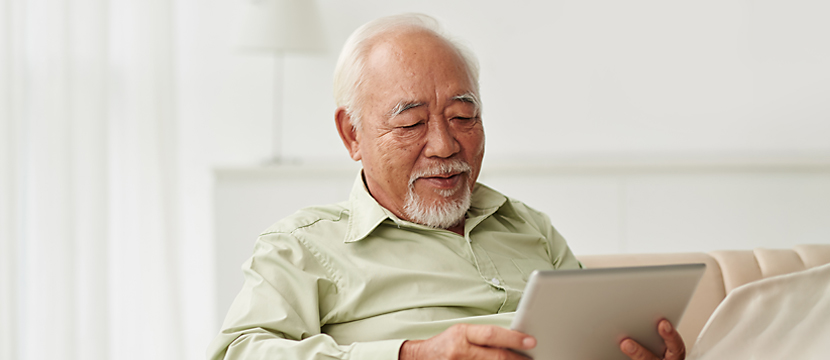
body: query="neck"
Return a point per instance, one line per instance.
(458, 228)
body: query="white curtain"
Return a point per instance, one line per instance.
(90, 241)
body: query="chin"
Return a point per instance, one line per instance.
(443, 212)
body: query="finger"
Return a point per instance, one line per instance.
(675, 348)
(636, 351)
(499, 337)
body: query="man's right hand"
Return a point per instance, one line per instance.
(465, 341)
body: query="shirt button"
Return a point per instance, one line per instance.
(495, 281)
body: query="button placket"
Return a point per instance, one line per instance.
(488, 271)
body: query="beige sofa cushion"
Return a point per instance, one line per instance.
(741, 267)
(738, 267)
(774, 262)
(813, 254)
(782, 317)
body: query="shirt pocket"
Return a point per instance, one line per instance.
(527, 266)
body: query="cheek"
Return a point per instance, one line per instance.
(475, 154)
(481, 144)
(473, 143)
(396, 157)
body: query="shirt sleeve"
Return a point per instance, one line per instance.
(560, 252)
(279, 312)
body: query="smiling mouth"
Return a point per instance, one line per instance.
(444, 176)
(443, 181)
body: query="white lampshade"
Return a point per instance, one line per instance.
(281, 25)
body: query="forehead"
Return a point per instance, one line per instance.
(414, 63)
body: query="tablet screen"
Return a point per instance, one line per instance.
(584, 314)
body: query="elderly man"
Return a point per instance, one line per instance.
(421, 262)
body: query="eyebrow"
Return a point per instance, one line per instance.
(405, 105)
(402, 106)
(468, 98)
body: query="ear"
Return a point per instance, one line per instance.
(348, 133)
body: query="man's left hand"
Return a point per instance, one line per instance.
(675, 348)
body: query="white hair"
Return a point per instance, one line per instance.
(348, 73)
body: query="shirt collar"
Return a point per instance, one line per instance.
(486, 202)
(366, 214)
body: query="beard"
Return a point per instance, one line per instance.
(450, 210)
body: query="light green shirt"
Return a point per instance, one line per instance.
(353, 281)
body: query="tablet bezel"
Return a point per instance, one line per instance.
(585, 313)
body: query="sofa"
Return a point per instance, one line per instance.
(725, 271)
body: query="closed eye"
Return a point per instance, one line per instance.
(465, 119)
(410, 126)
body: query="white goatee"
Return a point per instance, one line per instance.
(444, 213)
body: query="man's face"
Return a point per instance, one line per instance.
(421, 141)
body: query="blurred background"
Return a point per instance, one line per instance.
(144, 144)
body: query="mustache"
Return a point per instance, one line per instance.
(441, 168)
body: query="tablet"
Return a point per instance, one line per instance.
(584, 314)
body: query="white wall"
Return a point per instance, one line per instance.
(676, 86)
(605, 76)
(559, 78)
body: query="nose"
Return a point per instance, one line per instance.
(440, 139)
